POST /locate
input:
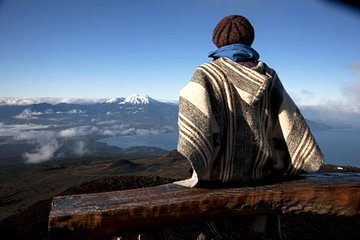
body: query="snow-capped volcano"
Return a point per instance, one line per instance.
(138, 99)
(135, 100)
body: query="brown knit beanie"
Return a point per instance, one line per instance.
(233, 29)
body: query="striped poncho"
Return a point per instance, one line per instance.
(238, 124)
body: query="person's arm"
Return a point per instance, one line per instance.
(196, 126)
(304, 152)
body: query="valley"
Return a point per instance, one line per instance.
(47, 149)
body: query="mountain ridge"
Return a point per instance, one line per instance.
(131, 99)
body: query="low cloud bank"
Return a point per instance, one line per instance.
(48, 143)
(12, 130)
(31, 114)
(51, 100)
(349, 102)
(345, 110)
(77, 131)
(352, 92)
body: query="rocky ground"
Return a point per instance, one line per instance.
(31, 222)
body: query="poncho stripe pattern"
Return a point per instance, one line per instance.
(239, 124)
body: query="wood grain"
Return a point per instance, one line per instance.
(87, 216)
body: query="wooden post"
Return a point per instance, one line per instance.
(87, 216)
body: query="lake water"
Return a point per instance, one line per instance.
(340, 146)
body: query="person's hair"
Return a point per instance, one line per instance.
(233, 29)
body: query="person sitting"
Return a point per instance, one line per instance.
(237, 123)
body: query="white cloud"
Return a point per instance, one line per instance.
(40, 136)
(108, 132)
(80, 100)
(75, 111)
(44, 140)
(12, 130)
(29, 101)
(129, 131)
(337, 108)
(80, 148)
(45, 144)
(18, 101)
(352, 92)
(304, 97)
(107, 122)
(28, 114)
(43, 153)
(117, 129)
(147, 131)
(125, 129)
(67, 133)
(77, 131)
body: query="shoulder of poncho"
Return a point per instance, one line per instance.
(206, 64)
(211, 70)
(263, 67)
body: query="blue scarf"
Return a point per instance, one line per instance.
(237, 52)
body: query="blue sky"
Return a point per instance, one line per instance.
(109, 48)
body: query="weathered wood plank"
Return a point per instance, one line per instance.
(92, 215)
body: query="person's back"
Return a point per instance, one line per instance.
(236, 121)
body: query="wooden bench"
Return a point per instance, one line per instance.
(87, 216)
